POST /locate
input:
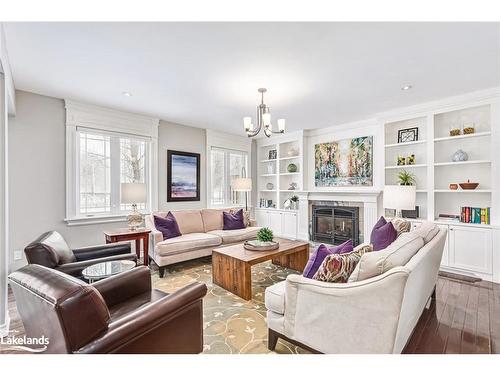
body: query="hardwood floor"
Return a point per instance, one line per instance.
(465, 318)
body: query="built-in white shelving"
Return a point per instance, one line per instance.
(463, 136)
(405, 144)
(289, 149)
(433, 150)
(468, 162)
(406, 166)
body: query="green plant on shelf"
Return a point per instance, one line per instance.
(265, 235)
(406, 178)
(294, 198)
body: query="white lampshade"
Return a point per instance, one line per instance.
(281, 124)
(266, 119)
(242, 184)
(247, 123)
(399, 197)
(133, 193)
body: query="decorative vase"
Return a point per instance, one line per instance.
(453, 186)
(460, 155)
(292, 168)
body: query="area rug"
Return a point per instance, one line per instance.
(231, 324)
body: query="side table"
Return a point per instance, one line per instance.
(125, 234)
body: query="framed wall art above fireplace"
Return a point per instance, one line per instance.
(183, 176)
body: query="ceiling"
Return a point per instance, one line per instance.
(207, 74)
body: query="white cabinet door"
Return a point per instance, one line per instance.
(444, 260)
(289, 225)
(275, 222)
(262, 218)
(470, 249)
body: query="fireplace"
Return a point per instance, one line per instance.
(335, 224)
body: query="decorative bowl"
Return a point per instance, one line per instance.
(469, 185)
(454, 186)
(256, 245)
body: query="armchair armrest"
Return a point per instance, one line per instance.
(173, 324)
(76, 268)
(118, 288)
(102, 251)
(366, 313)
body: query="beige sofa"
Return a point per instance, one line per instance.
(202, 230)
(374, 315)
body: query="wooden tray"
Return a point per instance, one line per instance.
(266, 246)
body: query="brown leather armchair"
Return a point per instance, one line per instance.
(121, 314)
(52, 251)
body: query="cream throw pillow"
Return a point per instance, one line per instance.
(427, 230)
(396, 254)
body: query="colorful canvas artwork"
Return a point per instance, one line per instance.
(348, 162)
(183, 176)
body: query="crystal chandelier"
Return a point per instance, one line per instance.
(263, 120)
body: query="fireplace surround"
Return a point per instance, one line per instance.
(335, 224)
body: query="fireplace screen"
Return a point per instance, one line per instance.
(335, 224)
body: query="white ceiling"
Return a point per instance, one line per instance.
(207, 74)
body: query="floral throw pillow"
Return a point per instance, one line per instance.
(401, 225)
(336, 268)
(246, 215)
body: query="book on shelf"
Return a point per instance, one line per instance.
(448, 217)
(475, 215)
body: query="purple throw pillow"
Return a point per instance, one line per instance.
(233, 221)
(167, 226)
(319, 255)
(379, 224)
(383, 236)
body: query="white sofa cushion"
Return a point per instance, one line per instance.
(186, 242)
(275, 297)
(396, 254)
(427, 230)
(236, 235)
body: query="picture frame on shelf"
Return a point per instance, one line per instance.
(273, 154)
(408, 135)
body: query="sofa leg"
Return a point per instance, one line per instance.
(161, 270)
(272, 339)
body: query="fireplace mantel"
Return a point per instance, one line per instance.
(369, 198)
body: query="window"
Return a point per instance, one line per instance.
(106, 160)
(226, 165)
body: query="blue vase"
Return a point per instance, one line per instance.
(460, 155)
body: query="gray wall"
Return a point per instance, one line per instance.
(180, 138)
(37, 155)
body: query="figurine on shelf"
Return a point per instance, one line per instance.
(401, 160)
(293, 186)
(410, 159)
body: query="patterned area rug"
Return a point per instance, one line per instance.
(231, 324)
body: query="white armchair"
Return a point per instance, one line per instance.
(376, 315)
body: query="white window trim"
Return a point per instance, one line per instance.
(222, 140)
(107, 120)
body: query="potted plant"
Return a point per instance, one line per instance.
(265, 235)
(295, 202)
(405, 178)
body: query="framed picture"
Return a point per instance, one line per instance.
(347, 162)
(183, 176)
(407, 135)
(273, 154)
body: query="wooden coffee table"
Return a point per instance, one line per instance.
(231, 265)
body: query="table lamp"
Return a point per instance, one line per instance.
(399, 197)
(134, 193)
